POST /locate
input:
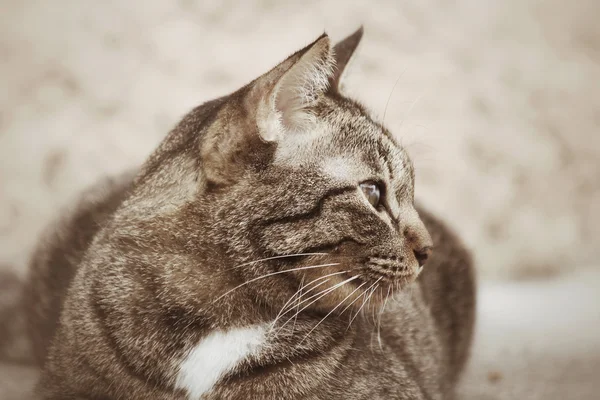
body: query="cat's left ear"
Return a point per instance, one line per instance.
(283, 96)
(344, 53)
(273, 107)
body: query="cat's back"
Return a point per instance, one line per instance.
(60, 251)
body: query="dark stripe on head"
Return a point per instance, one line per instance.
(312, 213)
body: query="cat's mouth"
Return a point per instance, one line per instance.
(369, 285)
(337, 281)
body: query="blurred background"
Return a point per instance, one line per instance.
(498, 103)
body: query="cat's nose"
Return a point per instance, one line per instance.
(417, 238)
(420, 242)
(422, 255)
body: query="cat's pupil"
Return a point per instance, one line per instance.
(372, 192)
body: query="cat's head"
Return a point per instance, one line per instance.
(293, 179)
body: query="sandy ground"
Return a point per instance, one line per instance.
(497, 102)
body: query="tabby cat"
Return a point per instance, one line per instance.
(270, 248)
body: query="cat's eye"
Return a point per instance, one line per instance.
(372, 192)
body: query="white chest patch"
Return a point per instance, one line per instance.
(215, 355)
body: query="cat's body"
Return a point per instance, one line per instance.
(161, 281)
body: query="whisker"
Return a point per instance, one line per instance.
(368, 303)
(321, 295)
(409, 110)
(363, 295)
(311, 297)
(271, 274)
(332, 310)
(353, 301)
(305, 293)
(296, 293)
(379, 318)
(385, 302)
(373, 318)
(277, 258)
(387, 103)
(365, 301)
(298, 300)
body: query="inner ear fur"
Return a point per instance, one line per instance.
(261, 114)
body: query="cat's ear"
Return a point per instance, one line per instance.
(259, 116)
(282, 97)
(344, 52)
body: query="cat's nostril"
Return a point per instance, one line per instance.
(422, 255)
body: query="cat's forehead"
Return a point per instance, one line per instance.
(346, 144)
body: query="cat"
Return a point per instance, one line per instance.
(270, 248)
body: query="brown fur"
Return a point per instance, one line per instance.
(124, 287)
